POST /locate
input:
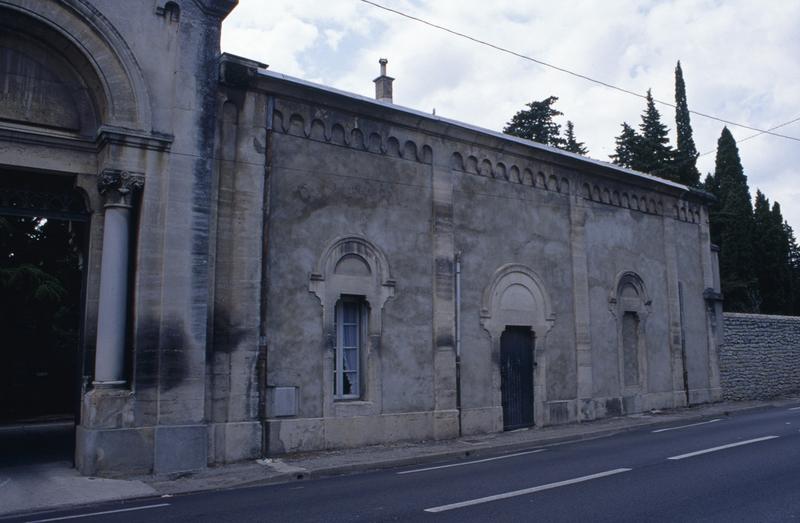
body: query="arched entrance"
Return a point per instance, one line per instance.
(516, 313)
(44, 223)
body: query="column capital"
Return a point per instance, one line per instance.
(118, 186)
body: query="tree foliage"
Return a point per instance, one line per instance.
(626, 149)
(732, 228)
(686, 152)
(536, 123)
(571, 143)
(654, 154)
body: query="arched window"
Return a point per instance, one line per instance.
(352, 282)
(630, 305)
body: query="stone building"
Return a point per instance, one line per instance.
(272, 265)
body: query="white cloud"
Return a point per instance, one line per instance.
(738, 57)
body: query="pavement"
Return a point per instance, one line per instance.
(47, 485)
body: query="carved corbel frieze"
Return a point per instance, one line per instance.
(118, 187)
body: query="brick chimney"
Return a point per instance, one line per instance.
(383, 84)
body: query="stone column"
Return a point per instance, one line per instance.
(118, 188)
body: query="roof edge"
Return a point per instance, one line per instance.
(643, 177)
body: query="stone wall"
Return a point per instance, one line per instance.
(760, 357)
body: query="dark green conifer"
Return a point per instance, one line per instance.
(732, 218)
(536, 123)
(770, 255)
(686, 152)
(655, 156)
(626, 150)
(571, 143)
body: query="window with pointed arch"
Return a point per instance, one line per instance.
(350, 321)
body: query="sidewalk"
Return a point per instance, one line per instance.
(55, 485)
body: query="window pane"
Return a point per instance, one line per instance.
(350, 359)
(349, 383)
(350, 312)
(350, 336)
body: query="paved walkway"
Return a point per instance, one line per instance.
(45, 486)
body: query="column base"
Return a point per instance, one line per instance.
(108, 384)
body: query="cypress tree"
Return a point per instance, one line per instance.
(732, 218)
(686, 152)
(770, 255)
(793, 251)
(571, 143)
(536, 123)
(655, 156)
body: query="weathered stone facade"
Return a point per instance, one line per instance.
(760, 358)
(313, 269)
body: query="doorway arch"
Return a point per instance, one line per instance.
(515, 299)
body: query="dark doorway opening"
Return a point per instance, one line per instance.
(43, 230)
(516, 377)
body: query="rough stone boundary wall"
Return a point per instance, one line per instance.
(760, 357)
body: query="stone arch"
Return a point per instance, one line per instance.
(492, 305)
(393, 147)
(516, 296)
(527, 177)
(410, 151)
(486, 169)
(351, 265)
(89, 42)
(457, 162)
(500, 171)
(317, 130)
(630, 306)
(338, 135)
(375, 143)
(427, 155)
(297, 126)
(357, 139)
(471, 165)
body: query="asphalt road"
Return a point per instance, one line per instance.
(745, 467)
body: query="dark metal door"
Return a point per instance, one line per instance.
(516, 377)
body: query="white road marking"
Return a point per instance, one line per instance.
(722, 447)
(471, 462)
(687, 426)
(795, 408)
(76, 516)
(526, 491)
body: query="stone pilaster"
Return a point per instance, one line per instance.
(580, 286)
(446, 420)
(677, 363)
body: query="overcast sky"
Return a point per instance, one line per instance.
(740, 58)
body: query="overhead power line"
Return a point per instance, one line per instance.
(572, 73)
(784, 124)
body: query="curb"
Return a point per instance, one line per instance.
(485, 450)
